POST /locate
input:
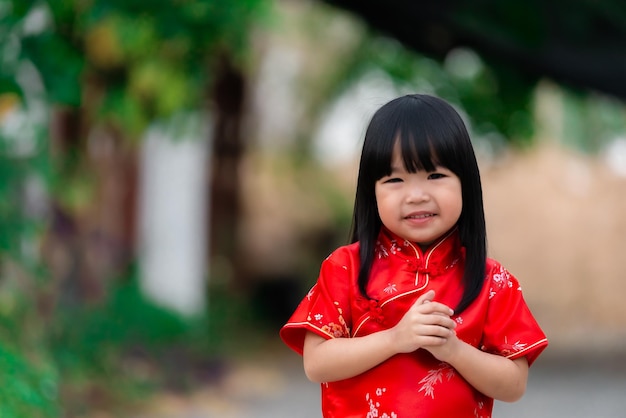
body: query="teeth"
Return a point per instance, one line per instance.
(421, 216)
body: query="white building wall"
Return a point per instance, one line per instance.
(173, 214)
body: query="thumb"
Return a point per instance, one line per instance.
(426, 297)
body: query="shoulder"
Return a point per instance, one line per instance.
(498, 277)
(344, 254)
(342, 262)
(494, 267)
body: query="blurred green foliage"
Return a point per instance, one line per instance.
(126, 318)
(30, 378)
(112, 356)
(29, 388)
(128, 61)
(119, 64)
(496, 99)
(591, 122)
(128, 348)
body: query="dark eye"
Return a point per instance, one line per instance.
(393, 180)
(435, 176)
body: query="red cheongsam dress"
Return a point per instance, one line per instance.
(414, 384)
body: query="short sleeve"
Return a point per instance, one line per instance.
(325, 307)
(510, 328)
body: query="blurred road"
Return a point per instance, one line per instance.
(275, 386)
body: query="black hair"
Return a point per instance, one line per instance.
(430, 133)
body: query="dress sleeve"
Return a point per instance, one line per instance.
(510, 329)
(325, 307)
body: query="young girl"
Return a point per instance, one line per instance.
(412, 319)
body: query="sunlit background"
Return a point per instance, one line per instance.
(172, 173)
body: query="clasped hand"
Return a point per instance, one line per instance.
(427, 324)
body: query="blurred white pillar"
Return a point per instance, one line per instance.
(173, 214)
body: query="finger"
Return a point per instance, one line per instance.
(436, 308)
(433, 342)
(425, 298)
(440, 321)
(435, 331)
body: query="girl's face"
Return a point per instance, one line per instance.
(419, 207)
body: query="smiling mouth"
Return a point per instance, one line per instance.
(422, 216)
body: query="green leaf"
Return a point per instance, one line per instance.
(59, 65)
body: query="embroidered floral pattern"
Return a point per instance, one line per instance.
(454, 263)
(435, 376)
(334, 329)
(381, 251)
(394, 248)
(508, 349)
(374, 405)
(478, 413)
(391, 288)
(500, 280)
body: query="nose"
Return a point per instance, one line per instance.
(417, 193)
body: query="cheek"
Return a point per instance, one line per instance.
(380, 205)
(458, 204)
(453, 201)
(459, 210)
(385, 205)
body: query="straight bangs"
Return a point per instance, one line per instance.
(420, 152)
(440, 139)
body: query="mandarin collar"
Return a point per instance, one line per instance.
(438, 257)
